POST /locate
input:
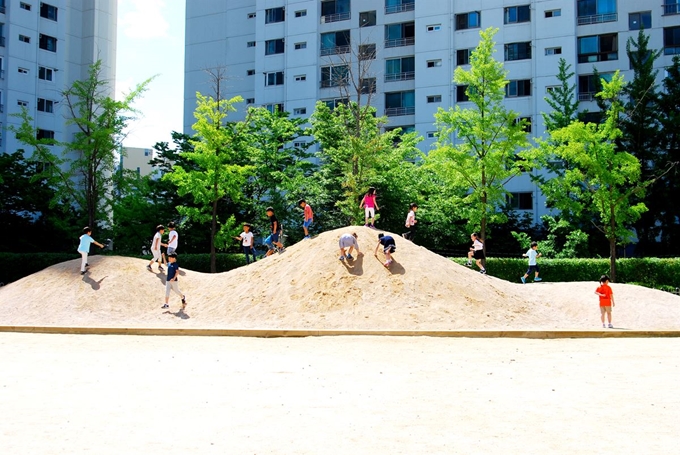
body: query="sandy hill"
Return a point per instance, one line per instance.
(308, 287)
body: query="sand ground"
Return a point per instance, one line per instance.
(70, 394)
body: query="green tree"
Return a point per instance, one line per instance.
(85, 170)
(219, 148)
(483, 156)
(599, 178)
(562, 99)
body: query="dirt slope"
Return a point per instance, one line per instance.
(308, 287)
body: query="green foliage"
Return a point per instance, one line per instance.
(562, 99)
(482, 159)
(14, 266)
(561, 241)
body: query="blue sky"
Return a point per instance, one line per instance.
(151, 42)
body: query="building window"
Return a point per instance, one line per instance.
(398, 6)
(367, 52)
(250, 44)
(25, 6)
(274, 108)
(671, 40)
(22, 70)
(299, 46)
(44, 134)
(45, 105)
(275, 78)
(400, 103)
(334, 76)
(553, 13)
(637, 21)
(45, 74)
(596, 11)
(300, 111)
(48, 11)
(147, 152)
(252, 15)
(273, 15)
(301, 13)
(431, 134)
(300, 144)
(434, 28)
(250, 72)
(551, 88)
(463, 56)
(461, 93)
(24, 39)
(598, 48)
(368, 85)
(335, 10)
(332, 104)
(367, 19)
(48, 43)
(434, 99)
(434, 63)
(589, 85)
(250, 100)
(400, 69)
(671, 7)
(553, 50)
(521, 201)
(527, 123)
(517, 51)
(22, 103)
(517, 14)
(403, 34)
(335, 43)
(468, 20)
(521, 87)
(300, 78)
(274, 46)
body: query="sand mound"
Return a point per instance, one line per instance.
(307, 287)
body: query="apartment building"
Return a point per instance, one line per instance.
(288, 54)
(44, 48)
(136, 159)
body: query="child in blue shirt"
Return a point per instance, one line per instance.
(532, 254)
(84, 247)
(171, 281)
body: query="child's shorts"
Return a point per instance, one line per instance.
(533, 269)
(605, 309)
(307, 223)
(390, 249)
(370, 212)
(156, 255)
(479, 254)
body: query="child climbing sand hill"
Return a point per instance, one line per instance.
(389, 247)
(84, 247)
(477, 252)
(349, 241)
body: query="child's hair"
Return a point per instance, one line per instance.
(354, 234)
(371, 191)
(172, 255)
(86, 229)
(171, 224)
(381, 236)
(247, 225)
(474, 234)
(604, 278)
(159, 227)
(533, 244)
(270, 209)
(413, 205)
(301, 201)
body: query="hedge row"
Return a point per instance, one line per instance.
(651, 272)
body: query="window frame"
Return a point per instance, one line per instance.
(465, 24)
(522, 14)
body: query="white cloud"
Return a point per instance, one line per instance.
(144, 19)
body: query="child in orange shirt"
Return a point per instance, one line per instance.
(606, 300)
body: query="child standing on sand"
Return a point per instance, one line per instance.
(606, 300)
(369, 204)
(84, 247)
(389, 247)
(173, 238)
(532, 254)
(411, 223)
(308, 216)
(349, 241)
(156, 249)
(477, 252)
(171, 281)
(247, 243)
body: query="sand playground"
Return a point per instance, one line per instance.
(308, 287)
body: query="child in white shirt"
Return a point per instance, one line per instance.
(247, 243)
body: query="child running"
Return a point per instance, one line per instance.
(349, 241)
(84, 247)
(411, 223)
(247, 243)
(389, 247)
(369, 204)
(532, 254)
(171, 281)
(477, 252)
(606, 300)
(274, 238)
(173, 238)
(156, 249)
(308, 216)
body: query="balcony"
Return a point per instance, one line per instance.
(335, 17)
(397, 111)
(2, 9)
(335, 50)
(400, 8)
(598, 19)
(599, 57)
(400, 42)
(587, 96)
(405, 76)
(2, 41)
(671, 8)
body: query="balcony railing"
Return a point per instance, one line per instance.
(397, 111)
(400, 42)
(599, 57)
(400, 8)
(671, 8)
(598, 19)
(335, 17)
(405, 76)
(335, 50)
(586, 96)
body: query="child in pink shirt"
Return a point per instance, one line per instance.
(369, 204)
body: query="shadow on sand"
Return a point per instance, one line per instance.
(355, 266)
(395, 268)
(96, 285)
(179, 314)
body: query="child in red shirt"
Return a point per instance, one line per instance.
(606, 300)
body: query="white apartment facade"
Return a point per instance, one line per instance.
(136, 159)
(284, 53)
(44, 48)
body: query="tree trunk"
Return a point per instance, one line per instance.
(213, 232)
(612, 259)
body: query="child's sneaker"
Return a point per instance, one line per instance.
(610, 326)
(342, 258)
(350, 257)
(165, 306)
(83, 272)
(367, 225)
(148, 267)
(538, 279)
(483, 271)
(161, 269)
(524, 280)
(184, 301)
(604, 326)
(468, 264)
(372, 226)
(307, 237)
